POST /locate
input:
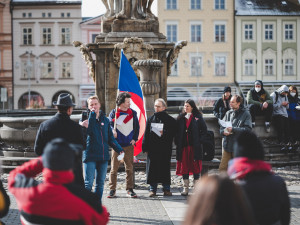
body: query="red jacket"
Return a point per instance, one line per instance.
(55, 200)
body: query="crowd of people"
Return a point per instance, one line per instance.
(256, 197)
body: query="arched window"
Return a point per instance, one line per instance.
(269, 62)
(249, 62)
(55, 97)
(36, 101)
(289, 62)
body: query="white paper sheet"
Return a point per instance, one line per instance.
(157, 128)
(225, 123)
(121, 156)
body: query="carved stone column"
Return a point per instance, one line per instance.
(148, 74)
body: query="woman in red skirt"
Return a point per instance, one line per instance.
(190, 128)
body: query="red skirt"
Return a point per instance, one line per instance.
(188, 165)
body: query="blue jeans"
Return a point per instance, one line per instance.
(100, 168)
(153, 187)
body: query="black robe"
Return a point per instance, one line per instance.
(159, 149)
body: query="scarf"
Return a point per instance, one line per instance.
(240, 167)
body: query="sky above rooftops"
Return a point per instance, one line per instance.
(92, 8)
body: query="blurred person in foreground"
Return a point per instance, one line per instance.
(267, 193)
(221, 106)
(189, 152)
(4, 200)
(217, 200)
(55, 200)
(157, 143)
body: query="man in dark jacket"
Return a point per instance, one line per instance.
(99, 138)
(157, 143)
(55, 200)
(61, 126)
(239, 119)
(260, 103)
(266, 192)
(222, 105)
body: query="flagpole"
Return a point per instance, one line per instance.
(115, 123)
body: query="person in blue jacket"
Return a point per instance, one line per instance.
(99, 138)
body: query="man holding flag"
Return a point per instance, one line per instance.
(128, 122)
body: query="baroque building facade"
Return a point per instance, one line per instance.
(206, 64)
(267, 37)
(44, 59)
(6, 78)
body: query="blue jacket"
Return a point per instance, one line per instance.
(99, 137)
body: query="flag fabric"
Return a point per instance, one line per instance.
(128, 81)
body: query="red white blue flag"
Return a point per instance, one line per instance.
(128, 81)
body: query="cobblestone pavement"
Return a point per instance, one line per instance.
(161, 210)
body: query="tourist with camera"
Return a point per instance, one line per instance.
(99, 138)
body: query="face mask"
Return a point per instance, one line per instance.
(293, 94)
(257, 89)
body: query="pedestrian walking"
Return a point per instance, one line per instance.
(99, 138)
(190, 129)
(157, 143)
(125, 125)
(61, 126)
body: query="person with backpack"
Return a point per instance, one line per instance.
(191, 129)
(280, 116)
(294, 115)
(260, 103)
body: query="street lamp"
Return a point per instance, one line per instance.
(28, 70)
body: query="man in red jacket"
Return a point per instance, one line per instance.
(56, 200)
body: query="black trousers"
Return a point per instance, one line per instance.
(294, 130)
(282, 125)
(256, 110)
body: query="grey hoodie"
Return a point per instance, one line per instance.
(279, 109)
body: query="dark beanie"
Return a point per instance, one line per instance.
(59, 155)
(248, 145)
(226, 89)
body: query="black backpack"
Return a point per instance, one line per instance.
(208, 143)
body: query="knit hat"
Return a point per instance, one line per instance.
(227, 89)
(248, 145)
(60, 155)
(258, 82)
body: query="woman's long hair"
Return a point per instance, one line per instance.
(218, 201)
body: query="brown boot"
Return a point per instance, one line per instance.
(167, 193)
(185, 191)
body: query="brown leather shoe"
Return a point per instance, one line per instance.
(167, 193)
(152, 194)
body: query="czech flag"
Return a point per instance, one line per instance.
(128, 81)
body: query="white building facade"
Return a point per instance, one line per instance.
(44, 59)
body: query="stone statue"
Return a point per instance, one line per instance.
(87, 56)
(109, 5)
(173, 54)
(135, 9)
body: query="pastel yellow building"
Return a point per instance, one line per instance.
(206, 64)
